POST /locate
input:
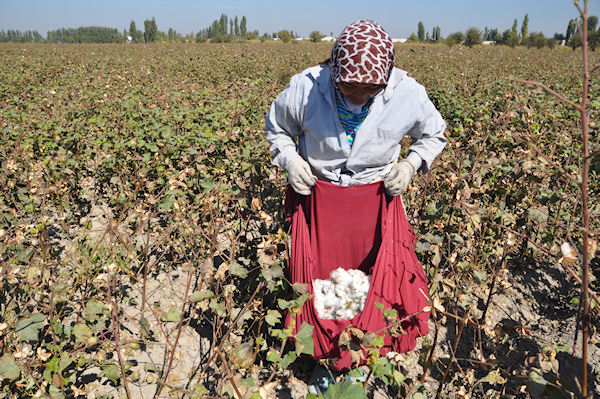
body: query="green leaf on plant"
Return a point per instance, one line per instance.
(390, 314)
(64, 362)
(55, 392)
(419, 392)
(217, 307)
(536, 384)
(283, 304)
(207, 185)
(494, 377)
(238, 270)
(173, 315)
(539, 215)
(111, 371)
(166, 202)
(379, 305)
(198, 296)
(273, 317)
(8, 368)
(273, 356)
(480, 276)
(245, 316)
(81, 332)
(93, 309)
(287, 360)
(145, 330)
(345, 390)
(304, 339)
(28, 328)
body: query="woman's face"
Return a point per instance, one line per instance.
(359, 93)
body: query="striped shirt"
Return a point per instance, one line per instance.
(350, 121)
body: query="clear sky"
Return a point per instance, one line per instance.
(399, 17)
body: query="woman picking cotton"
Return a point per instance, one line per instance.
(337, 130)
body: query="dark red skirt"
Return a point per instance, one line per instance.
(357, 227)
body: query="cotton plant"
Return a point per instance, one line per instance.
(343, 295)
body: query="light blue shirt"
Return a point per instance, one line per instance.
(303, 121)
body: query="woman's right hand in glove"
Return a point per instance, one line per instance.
(300, 176)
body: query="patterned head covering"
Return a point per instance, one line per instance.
(363, 53)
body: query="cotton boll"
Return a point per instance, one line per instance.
(338, 276)
(340, 291)
(330, 300)
(343, 295)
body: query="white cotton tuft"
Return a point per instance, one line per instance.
(343, 295)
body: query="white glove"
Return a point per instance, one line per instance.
(300, 176)
(397, 179)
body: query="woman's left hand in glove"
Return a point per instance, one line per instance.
(397, 179)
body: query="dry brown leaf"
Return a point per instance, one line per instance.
(344, 339)
(255, 204)
(268, 391)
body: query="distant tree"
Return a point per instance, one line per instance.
(472, 37)
(18, 36)
(510, 38)
(571, 27)
(85, 34)
(236, 27)
(592, 23)
(150, 31)
(223, 22)
(514, 27)
(536, 39)
(243, 28)
(594, 40)
(136, 35)
(421, 31)
(435, 34)
(252, 35)
(316, 36)
(284, 35)
(413, 38)
(593, 34)
(455, 38)
(492, 35)
(231, 27)
(200, 38)
(559, 37)
(575, 41)
(525, 27)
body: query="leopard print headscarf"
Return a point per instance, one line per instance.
(363, 53)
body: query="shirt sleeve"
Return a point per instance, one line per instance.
(428, 138)
(283, 123)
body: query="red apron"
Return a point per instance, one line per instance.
(357, 227)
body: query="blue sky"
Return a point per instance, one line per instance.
(399, 17)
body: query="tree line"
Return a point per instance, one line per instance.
(512, 36)
(226, 30)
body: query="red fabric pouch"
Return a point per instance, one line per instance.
(357, 227)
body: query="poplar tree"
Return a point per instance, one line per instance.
(243, 28)
(525, 27)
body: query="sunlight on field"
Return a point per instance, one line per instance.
(143, 241)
